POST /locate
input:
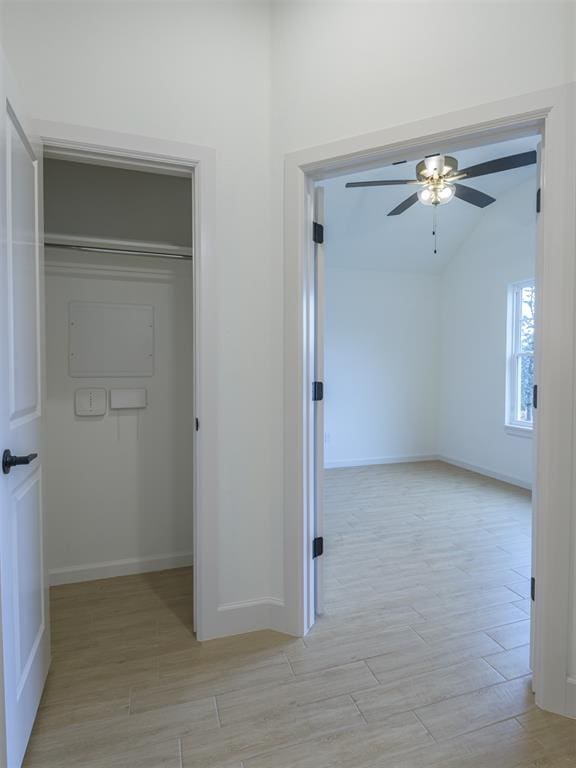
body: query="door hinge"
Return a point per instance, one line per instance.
(318, 233)
(533, 589)
(535, 396)
(197, 424)
(538, 200)
(318, 546)
(317, 391)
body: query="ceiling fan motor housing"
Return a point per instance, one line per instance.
(437, 166)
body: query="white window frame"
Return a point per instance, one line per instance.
(512, 425)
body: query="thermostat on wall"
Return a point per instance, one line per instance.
(127, 398)
(90, 402)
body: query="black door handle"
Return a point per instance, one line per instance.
(9, 461)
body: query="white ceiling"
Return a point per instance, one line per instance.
(359, 234)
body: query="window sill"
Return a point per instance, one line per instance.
(513, 429)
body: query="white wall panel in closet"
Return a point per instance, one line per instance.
(109, 339)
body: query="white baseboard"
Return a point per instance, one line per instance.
(252, 604)
(378, 460)
(246, 616)
(486, 472)
(570, 698)
(429, 457)
(107, 570)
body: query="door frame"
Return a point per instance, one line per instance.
(104, 146)
(548, 113)
(316, 579)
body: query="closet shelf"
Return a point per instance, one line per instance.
(120, 247)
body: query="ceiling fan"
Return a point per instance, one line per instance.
(438, 177)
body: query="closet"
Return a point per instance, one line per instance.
(119, 366)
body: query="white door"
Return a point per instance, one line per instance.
(23, 587)
(319, 403)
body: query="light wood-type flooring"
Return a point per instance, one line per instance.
(420, 661)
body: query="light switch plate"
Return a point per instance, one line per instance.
(127, 398)
(90, 402)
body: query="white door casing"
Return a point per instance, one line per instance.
(64, 139)
(23, 584)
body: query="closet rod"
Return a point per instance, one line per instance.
(121, 251)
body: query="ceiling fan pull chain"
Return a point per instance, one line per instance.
(435, 228)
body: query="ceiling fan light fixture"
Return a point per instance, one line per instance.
(446, 193)
(426, 195)
(436, 194)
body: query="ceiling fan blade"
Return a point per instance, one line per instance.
(381, 183)
(408, 203)
(473, 196)
(500, 164)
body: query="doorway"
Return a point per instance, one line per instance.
(524, 116)
(424, 341)
(26, 648)
(426, 333)
(119, 368)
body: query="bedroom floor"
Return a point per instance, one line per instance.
(419, 661)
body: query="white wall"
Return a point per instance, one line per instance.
(221, 74)
(415, 367)
(116, 203)
(474, 289)
(346, 68)
(119, 488)
(195, 72)
(381, 366)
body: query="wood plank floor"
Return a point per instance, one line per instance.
(420, 661)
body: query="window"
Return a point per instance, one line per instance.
(520, 380)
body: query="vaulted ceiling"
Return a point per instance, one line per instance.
(359, 234)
